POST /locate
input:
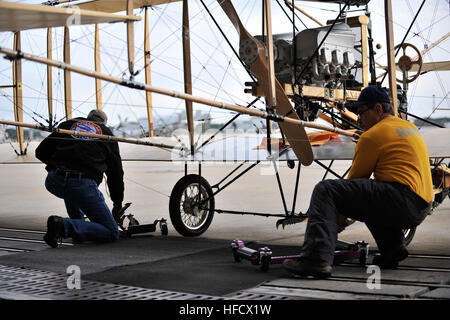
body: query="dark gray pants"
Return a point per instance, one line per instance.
(386, 207)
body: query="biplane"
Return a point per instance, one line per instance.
(296, 83)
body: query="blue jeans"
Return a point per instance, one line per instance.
(82, 197)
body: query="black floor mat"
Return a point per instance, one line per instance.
(211, 272)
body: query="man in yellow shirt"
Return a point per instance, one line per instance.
(399, 196)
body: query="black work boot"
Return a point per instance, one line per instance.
(55, 231)
(390, 259)
(305, 267)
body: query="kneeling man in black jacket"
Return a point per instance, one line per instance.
(75, 166)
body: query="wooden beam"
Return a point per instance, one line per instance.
(432, 66)
(170, 93)
(49, 76)
(18, 98)
(67, 76)
(434, 44)
(314, 92)
(148, 74)
(88, 134)
(391, 54)
(353, 22)
(364, 52)
(98, 82)
(187, 73)
(271, 98)
(304, 13)
(130, 38)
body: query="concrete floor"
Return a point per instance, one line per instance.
(147, 265)
(26, 204)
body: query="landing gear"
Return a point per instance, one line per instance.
(191, 205)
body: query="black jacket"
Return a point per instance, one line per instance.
(91, 156)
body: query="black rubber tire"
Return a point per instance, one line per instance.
(164, 230)
(409, 235)
(265, 263)
(236, 257)
(362, 257)
(178, 205)
(440, 197)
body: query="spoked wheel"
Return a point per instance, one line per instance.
(190, 214)
(408, 235)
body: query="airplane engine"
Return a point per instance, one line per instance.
(330, 66)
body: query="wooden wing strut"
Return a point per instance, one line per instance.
(49, 76)
(187, 73)
(18, 99)
(98, 82)
(148, 75)
(67, 76)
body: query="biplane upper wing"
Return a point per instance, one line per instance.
(118, 5)
(22, 16)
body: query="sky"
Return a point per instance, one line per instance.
(216, 72)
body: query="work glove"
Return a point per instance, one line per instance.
(344, 222)
(116, 211)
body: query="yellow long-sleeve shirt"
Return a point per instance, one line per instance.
(394, 151)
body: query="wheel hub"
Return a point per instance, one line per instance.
(191, 207)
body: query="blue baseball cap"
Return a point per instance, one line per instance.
(370, 94)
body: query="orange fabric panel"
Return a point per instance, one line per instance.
(321, 137)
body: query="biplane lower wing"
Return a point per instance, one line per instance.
(240, 147)
(128, 151)
(339, 147)
(437, 142)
